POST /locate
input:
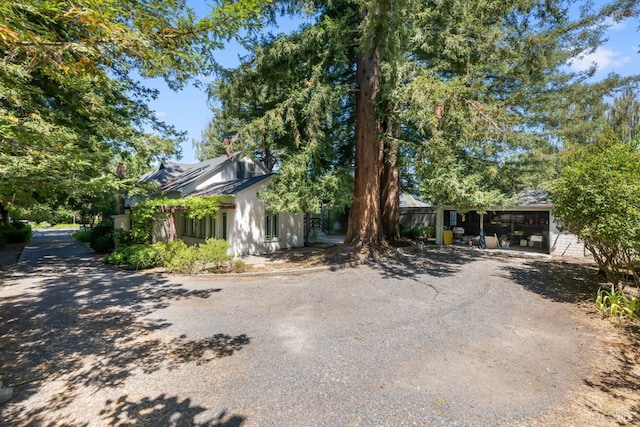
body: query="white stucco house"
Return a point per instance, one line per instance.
(242, 219)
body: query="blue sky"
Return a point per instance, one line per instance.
(187, 110)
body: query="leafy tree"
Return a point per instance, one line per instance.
(597, 197)
(71, 104)
(470, 97)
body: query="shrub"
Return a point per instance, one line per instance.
(101, 239)
(417, 231)
(83, 236)
(137, 256)
(180, 258)
(239, 266)
(177, 257)
(597, 197)
(214, 251)
(615, 304)
(16, 232)
(127, 238)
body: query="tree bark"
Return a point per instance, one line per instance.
(390, 193)
(365, 227)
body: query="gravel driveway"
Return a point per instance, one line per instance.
(430, 338)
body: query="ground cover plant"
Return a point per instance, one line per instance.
(177, 257)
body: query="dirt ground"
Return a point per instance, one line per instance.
(610, 393)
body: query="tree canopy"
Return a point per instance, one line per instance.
(469, 101)
(72, 104)
(597, 197)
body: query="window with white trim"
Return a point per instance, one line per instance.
(201, 228)
(271, 227)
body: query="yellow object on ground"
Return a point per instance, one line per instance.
(447, 237)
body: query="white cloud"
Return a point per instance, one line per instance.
(603, 58)
(161, 114)
(616, 26)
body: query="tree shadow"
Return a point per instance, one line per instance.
(578, 283)
(433, 261)
(621, 382)
(164, 411)
(82, 324)
(557, 280)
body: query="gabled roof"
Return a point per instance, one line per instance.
(229, 188)
(165, 173)
(195, 172)
(533, 197)
(410, 201)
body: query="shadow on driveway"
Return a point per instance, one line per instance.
(66, 317)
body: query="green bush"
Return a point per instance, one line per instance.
(214, 251)
(15, 233)
(83, 236)
(177, 257)
(239, 266)
(101, 239)
(180, 258)
(417, 231)
(615, 304)
(597, 197)
(138, 256)
(127, 238)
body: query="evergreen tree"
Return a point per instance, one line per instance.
(472, 97)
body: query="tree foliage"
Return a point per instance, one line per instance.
(71, 104)
(597, 197)
(471, 100)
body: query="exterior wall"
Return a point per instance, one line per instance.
(412, 217)
(247, 234)
(564, 244)
(227, 173)
(122, 221)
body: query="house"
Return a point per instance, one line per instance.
(529, 224)
(242, 219)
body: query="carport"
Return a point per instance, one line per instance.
(529, 225)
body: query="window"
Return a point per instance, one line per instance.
(187, 226)
(453, 218)
(240, 170)
(252, 170)
(212, 226)
(224, 225)
(271, 227)
(202, 228)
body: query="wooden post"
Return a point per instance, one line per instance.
(172, 224)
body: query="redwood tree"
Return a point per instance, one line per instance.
(468, 97)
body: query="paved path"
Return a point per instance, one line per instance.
(430, 339)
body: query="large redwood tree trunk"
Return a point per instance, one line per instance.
(365, 227)
(390, 193)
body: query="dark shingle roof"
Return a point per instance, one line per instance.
(165, 173)
(410, 201)
(533, 197)
(228, 188)
(194, 172)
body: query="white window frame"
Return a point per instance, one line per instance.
(271, 228)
